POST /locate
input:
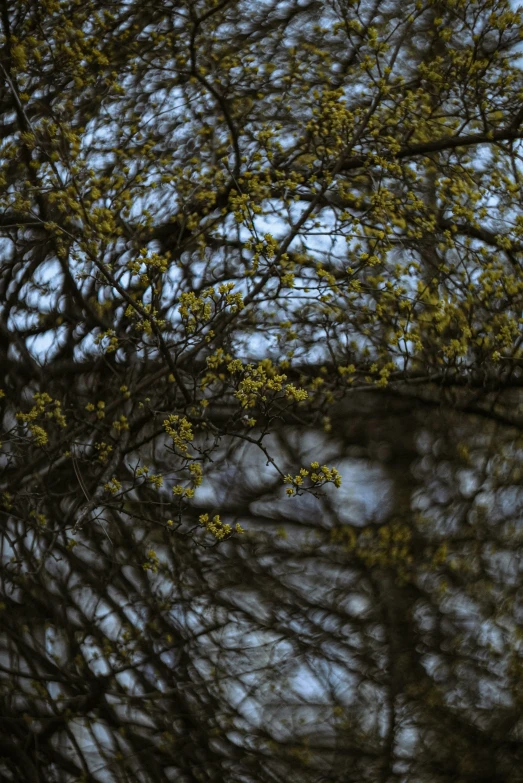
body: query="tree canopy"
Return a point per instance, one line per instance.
(246, 245)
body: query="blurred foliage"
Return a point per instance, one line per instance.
(261, 359)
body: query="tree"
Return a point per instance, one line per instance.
(289, 230)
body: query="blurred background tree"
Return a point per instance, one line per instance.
(261, 351)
